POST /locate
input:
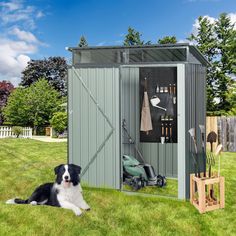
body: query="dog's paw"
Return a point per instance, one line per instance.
(11, 201)
(33, 203)
(78, 212)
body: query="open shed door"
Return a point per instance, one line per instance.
(94, 124)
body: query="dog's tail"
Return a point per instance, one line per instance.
(17, 201)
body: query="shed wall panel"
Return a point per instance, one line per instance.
(88, 127)
(195, 87)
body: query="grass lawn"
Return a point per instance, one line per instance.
(28, 163)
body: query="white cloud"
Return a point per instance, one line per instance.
(10, 6)
(39, 14)
(24, 35)
(101, 44)
(232, 17)
(13, 58)
(17, 41)
(15, 11)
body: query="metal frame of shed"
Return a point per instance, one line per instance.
(97, 84)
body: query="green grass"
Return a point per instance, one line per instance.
(28, 163)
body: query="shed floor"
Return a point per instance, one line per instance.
(170, 190)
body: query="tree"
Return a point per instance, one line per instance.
(5, 89)
(16, 111)
(216, 41)
(83, 42)
(168, 40)
(226, 36)
(33, 106)
(133, 37)
(59, 121)
(53, 69)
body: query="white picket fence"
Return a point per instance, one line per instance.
(6, 132)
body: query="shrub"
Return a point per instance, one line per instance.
(59, 122)
(17, 130)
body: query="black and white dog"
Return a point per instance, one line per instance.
(66, 192)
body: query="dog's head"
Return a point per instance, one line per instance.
(67, 174)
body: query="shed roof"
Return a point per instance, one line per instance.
(180, 52)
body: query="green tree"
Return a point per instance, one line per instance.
(168, 40)
(83, 42)
(217, 43)
(53, 69)
(226, 38)
(16, 111)
(133, 37)
(33, 106)
(59, 121)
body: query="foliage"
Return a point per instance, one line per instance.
(113, 212)
(83, 42)
(133, 37)
(217, 41)
(168, 40)
(17, 130)
(53, 69)
(5, 89)
(32, 106)
(17, 110)
(59, 121)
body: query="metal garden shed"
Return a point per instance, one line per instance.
(105, 87)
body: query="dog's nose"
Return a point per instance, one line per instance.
(66, 177)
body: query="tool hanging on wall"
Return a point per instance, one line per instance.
(194, 155)
(167, 135)
(146, 121)
(155, 101)
(162, 130)
(202, 129)
(171, 140)
(174, 94)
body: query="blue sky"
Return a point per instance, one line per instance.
(42, 28)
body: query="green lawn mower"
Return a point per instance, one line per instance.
(139, 175)
(136, 174)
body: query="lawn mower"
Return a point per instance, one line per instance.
(139, 175)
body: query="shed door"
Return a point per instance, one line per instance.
(94, 139)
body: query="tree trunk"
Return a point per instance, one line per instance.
(35, 130)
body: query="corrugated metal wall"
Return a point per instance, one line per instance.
(195, 85)
(88, 127)
(162, 157)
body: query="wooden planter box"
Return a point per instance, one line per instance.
(201, 198)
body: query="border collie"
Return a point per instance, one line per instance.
(66, 192)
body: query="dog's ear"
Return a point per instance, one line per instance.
(57, 168)
(76, 168)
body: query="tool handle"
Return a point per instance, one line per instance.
(162, 130)
(162, 108)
